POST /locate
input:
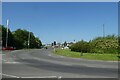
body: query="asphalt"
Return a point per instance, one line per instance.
(42, 63)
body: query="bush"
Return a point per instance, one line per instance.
(81, 46)
(108, 44)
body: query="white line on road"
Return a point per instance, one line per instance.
(62, 56)
(43, 77)
(59, 77)
(13, 76)
(22, 58)
(9, 75)
(12, 62)
(4, 60)
(49, 54)
(9, 62)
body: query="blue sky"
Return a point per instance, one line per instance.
(62, 21)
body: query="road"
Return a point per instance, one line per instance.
(42, 63)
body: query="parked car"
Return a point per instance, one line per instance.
(8, 48)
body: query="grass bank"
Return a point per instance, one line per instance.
(90, 56)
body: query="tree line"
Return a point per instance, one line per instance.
(107, 44)
(19, 39)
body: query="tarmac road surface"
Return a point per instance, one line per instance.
(42, 63)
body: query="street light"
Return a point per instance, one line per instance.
(28, 39)
(7, 33)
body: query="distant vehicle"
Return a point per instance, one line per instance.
(8, 48)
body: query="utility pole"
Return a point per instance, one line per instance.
(103, 34)
(7, 33)
(28, 39)
(103, 30)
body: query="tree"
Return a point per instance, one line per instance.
(21, 39)
(36, 43)
(10, 42)
(65, 43)
(0, 30)
(54, 43)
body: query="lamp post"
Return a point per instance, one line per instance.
(28, 39)
(7, 33)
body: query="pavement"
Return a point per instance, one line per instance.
(42, 63)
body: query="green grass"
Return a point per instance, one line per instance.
(90, 56)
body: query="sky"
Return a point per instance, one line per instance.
(62, 21)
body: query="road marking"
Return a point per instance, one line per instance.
(42, 77)
(4, 60)
(59, 77)
(12, 62)
(49, 54)
(22, 58)
(62, 56)
(13, 76)
(9, 75)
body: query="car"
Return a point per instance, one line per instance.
(8, 48)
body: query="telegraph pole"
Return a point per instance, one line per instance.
(28, 39)
(7, 33)
(103, 30)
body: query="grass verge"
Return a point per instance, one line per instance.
(90, 56)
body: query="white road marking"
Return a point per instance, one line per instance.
(22, 58)
(42, 77)
(9, 75)
(9, 62)
(12, 62)
(59, 77)
(4, 60)
(61, 56)
(13, 76)
(49, 54)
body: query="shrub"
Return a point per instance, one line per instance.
(81, 46)
(108, 44)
